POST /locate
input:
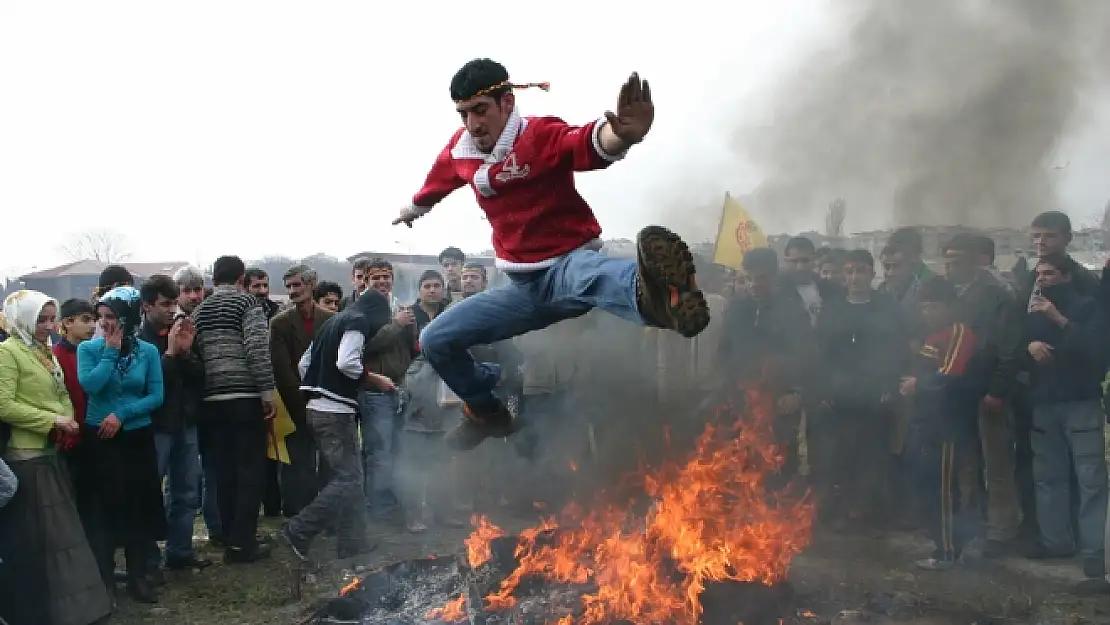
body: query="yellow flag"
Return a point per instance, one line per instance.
(737, 234)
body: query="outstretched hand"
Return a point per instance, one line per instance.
(635, 111)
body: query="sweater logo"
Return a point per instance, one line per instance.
(511, 170)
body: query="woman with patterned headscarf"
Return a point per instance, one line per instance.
(48, 574)
(122, 375)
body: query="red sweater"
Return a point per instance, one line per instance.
(525, 186)
(66, 353)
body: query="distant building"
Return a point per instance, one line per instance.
(79, 279)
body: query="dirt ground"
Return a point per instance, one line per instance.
(840, 579)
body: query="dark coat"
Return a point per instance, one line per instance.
(288, 342)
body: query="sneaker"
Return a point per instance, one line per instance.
(191, 562)
(299, 546)
(935, 564)
(476, 427)
(667, 291)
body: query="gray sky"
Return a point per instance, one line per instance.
(294, 128)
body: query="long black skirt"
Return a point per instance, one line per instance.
(128, 487)
(48, 575)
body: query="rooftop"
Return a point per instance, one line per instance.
(94, 267)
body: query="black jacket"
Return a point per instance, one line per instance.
(183, 380)
(772, 341)
(863, 350)
(1078, 363)
(367, 315)
(992, 314)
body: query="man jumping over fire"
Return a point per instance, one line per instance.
(545, 235)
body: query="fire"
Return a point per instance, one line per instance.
(711, 519)
(477, 544)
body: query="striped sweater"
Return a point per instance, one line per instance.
(234, 340)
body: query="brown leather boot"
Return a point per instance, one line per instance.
(667, 290)
(476, 427)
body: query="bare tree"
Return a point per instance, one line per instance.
(106, 246)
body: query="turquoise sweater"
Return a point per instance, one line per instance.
(131, 396)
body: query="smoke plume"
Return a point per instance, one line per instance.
(929, 112)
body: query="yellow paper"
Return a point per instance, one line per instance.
(280, 427)
(737, 234)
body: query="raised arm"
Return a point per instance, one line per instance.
(442, 179)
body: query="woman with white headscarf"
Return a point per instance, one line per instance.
(48, 575)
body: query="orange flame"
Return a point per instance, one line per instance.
(452, 612)
(711, 519)
(355, 584)
(477, 544)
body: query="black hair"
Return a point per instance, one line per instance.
(761, 259)
(800, 243)
(1053, 220)
(228, 270)
(479, 75)
(962, 242)
(115, 275)
(479, 267)
(378, 263)
(907, 240)
(937, 289)
(862, 257)
(326, 288)
(452, 253)
(254, 273)
(430, 274)
(75, 307)
(1062, 262)
(156, 285)
(985, 246)
(360, 264)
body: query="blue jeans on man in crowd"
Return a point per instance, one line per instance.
(578, 282)
(179, 461)
(380, 427)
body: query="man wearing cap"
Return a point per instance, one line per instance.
(545, 235)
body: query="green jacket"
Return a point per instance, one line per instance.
(30, 397)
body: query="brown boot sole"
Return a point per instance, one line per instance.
(666, 263)
(473, 431)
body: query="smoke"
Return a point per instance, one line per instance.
(929, 112)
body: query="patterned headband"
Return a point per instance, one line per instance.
(543, 86)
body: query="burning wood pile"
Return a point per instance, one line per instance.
(707, 544)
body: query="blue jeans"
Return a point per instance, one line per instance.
(575, 284)
(379, 413)
(179, 461)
